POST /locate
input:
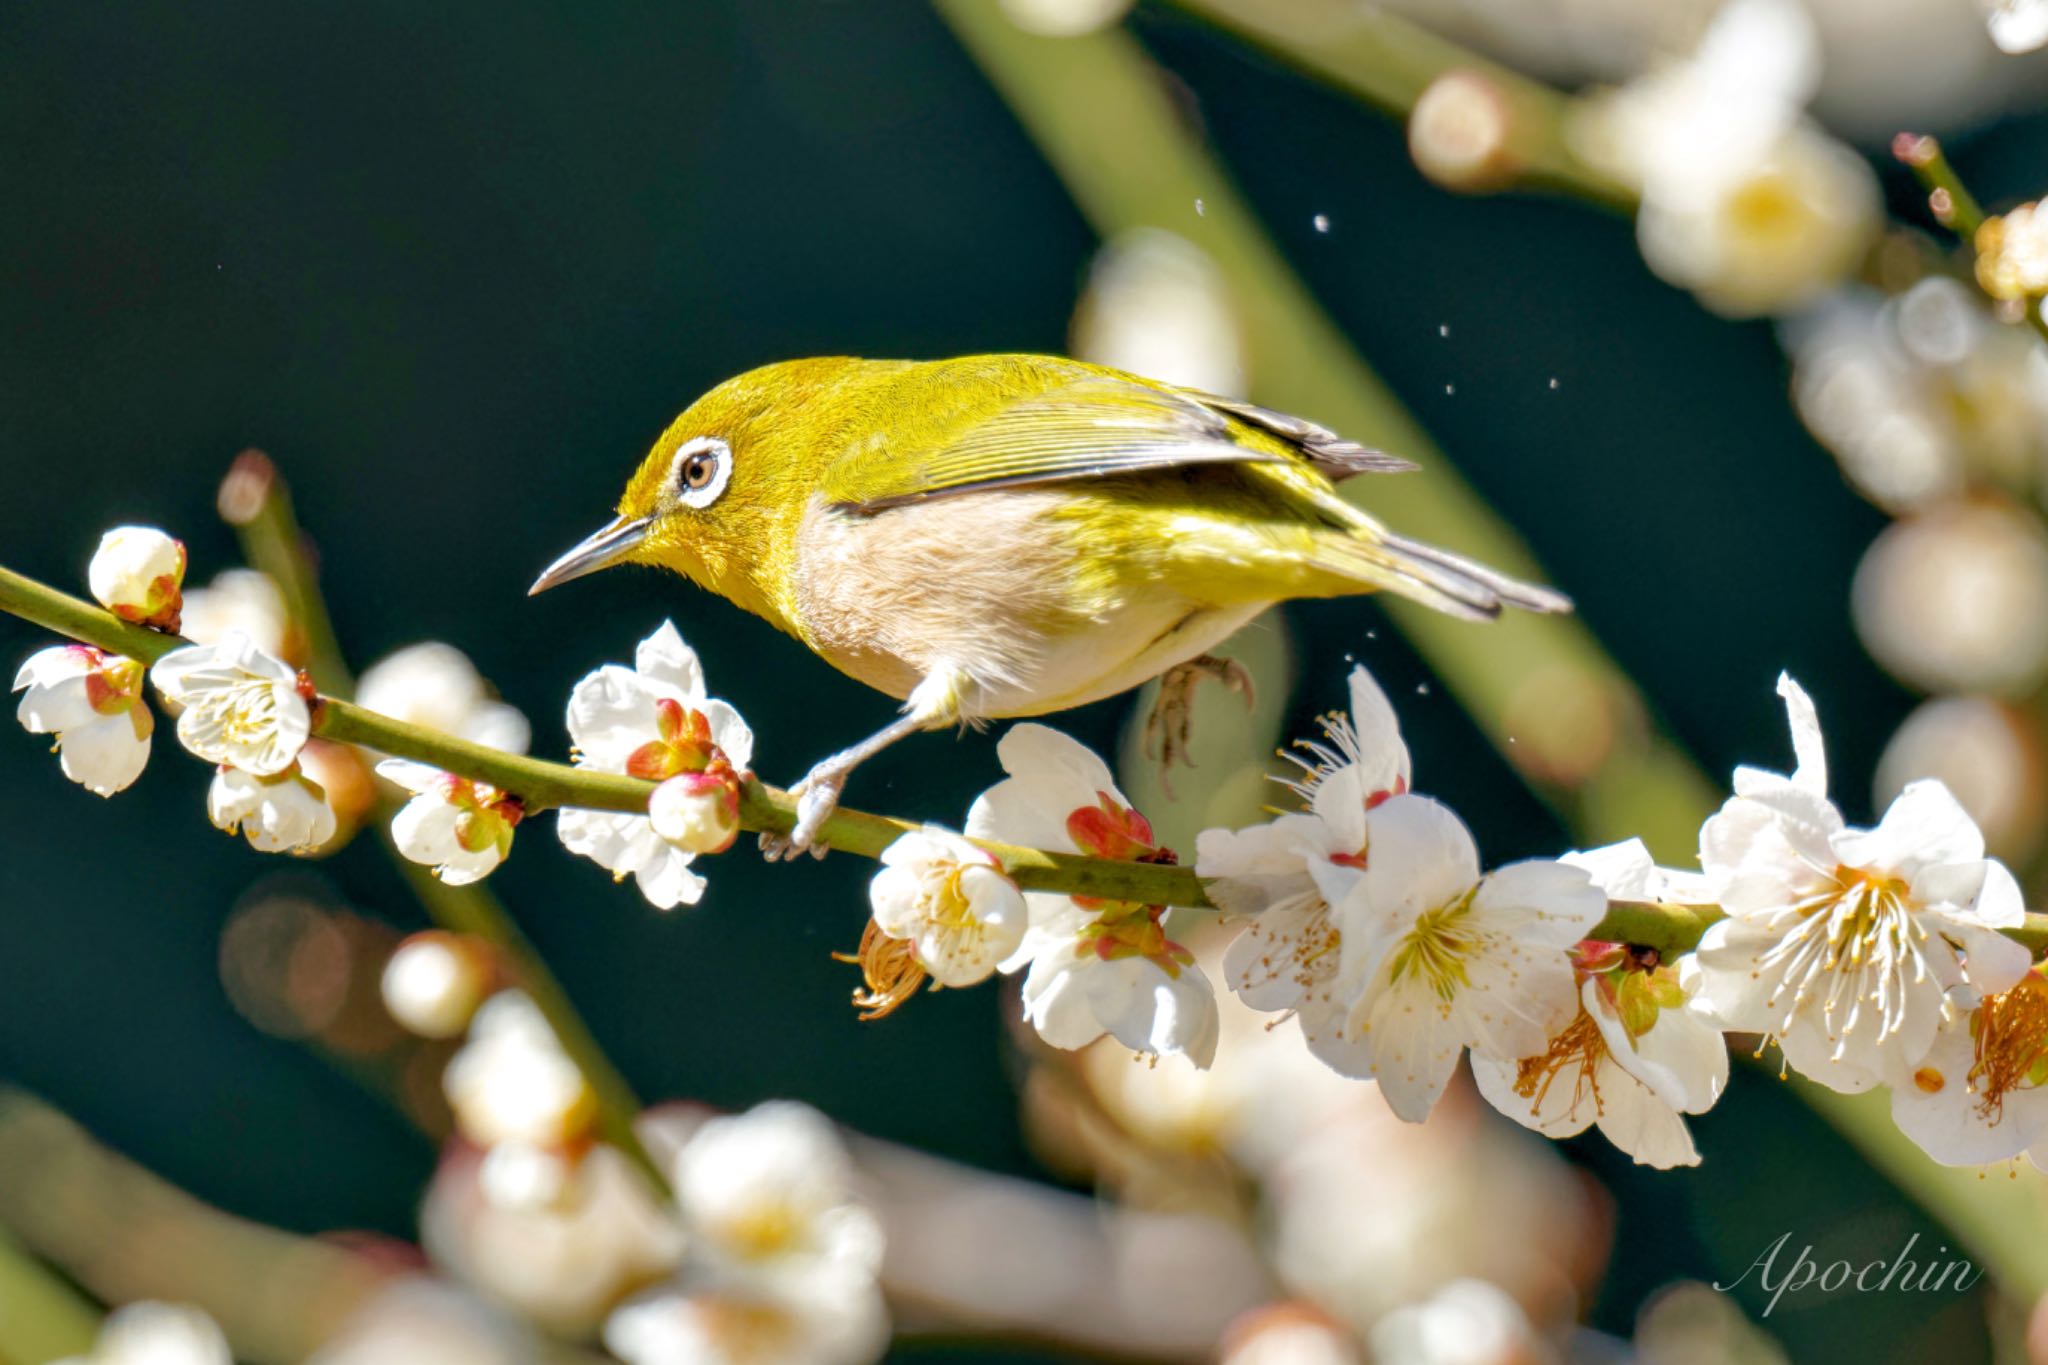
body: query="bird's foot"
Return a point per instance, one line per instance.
(817, 796)
(1172, 721)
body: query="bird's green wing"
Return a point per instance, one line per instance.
(1325, 449)
(1093, 426)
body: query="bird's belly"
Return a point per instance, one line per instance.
(1130, 649)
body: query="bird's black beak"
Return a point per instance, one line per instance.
(594, 552)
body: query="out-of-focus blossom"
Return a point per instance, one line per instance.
(2012, 253)
(773, 1190)
(240, 601)
(561, 1265)
(1064, 18)
(460, 827)
(1289, 1333)
(652, 721)
(345, 776)
(1744, 202)
(242, 706)
(1978, 1094)
(951, 901)
(1956, 599)
(1989, 754)
(2016, 25)
(1435, 958)
(435, 685)
(1288, 956)
(832, 1316)
(92, 702)
(149, 1333)
(1690, 1323)
(1841, 942)
(1919, 395)
(512, 1082)
(1156, 305)
(286, 812)
(422, 1321)
(137, 574)
(1467, 1322)
(1639, 1052)
(434, 983)
(1095, 966)
(698, 812)
(523, 1176)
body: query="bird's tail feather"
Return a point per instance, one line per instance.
(1436, 578)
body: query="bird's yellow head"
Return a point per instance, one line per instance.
(719, 494)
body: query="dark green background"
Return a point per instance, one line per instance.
(454, 266)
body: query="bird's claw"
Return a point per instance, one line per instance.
(817, 796)
(1171, 722)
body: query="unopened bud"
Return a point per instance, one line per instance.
(434, 983)
(698, 812)
(1462, 133)
(138, 574)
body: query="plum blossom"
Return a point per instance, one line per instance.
(435, 685)
(1640, 1050)
(652, 721)
(698, 812)
(951, 903)
(772, 1190)
(1842, 942)
(1094, 966)
(1276, 874)
(434, 982)
(1433, 957)
(242, 706)
(92, 702)
(1744, 201)
(151, 1333)
(460, 827)
(244, 600)
(1981, 1092)
(830, 1317)
(137, 574)
(283, 813)
(512, 1082)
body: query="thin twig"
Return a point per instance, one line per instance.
(1951, 202)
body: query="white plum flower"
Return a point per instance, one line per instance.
(1980, 1094)
(1840, 942)
(436, 686)
(460, 827)
(286, 812)
(1095, 966)
(240, 600)
(150, 1333)
(434, 982)
(651, 721)
(1744, 201)
(92, 702)
(1283, 875)
(512, 1082)
(137, 574)
(951, 900)
(242, 706)
(1434, 958)
(1640, 1050)
(773, 1190)
(830, 1317)
(698, 812)
(2016, 25)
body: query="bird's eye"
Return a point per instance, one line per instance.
(703, 465)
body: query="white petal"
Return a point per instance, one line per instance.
(1641, 1124)
(1281, 955)
(1058, 1003)
(1935, 1104)
(1415, 1048)
(414, 777)
(1625, 871)
(666, 880)
(424, 829)
(1682, 1059)
(1516, 995)
(59, 694)
(1382, 757)
(105, 755)
(729, 733)
(1925, 826)
(1561, 1108)
(664, 657)
(1051, 776)
(1809, 753)
(1420, 856)
(1540, 901)
(611, 713)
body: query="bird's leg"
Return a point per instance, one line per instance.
(935, 702)
(1173, 713)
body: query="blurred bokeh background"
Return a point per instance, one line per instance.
(455, 266)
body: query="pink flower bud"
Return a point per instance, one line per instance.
(698, 812)
(138, 573)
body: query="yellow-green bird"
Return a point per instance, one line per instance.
(1008, 535)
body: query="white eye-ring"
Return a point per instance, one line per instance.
(702, 468)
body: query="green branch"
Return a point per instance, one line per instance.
(1951, 202)
(1671, 929)
(1391, 63)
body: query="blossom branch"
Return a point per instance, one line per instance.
(540, 785)
(1951, 202)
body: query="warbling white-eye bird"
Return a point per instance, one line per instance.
(1008, 535)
